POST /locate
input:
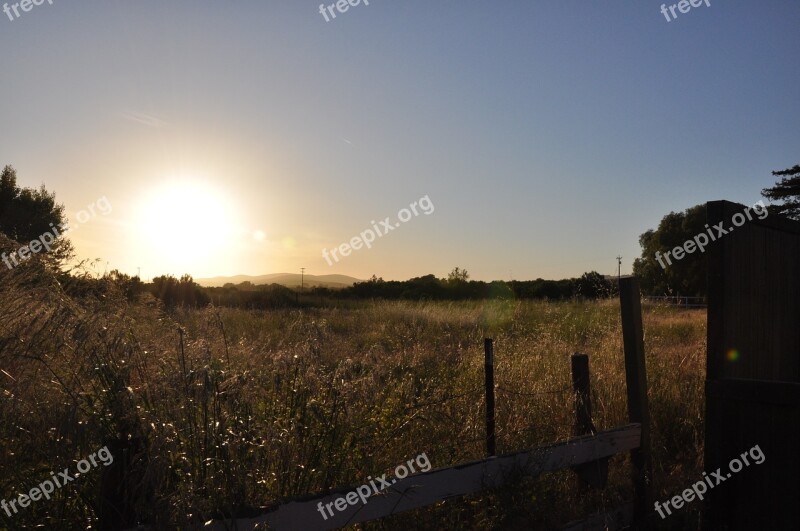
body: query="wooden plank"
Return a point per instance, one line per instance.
(760, 391)
(426, 489)
(715, 212)
(717, 418)
(636, 383)
(763, 493)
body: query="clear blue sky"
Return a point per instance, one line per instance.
(548, 134)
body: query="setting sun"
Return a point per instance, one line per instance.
(183, 225)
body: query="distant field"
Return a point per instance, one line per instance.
(282, 403)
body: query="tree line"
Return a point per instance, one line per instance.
(184, 291)
(457, 286)
(688, 275)
(26, 213)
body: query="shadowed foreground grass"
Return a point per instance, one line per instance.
(254, 406)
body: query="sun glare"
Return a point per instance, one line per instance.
(185, 226)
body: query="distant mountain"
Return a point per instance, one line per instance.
(290, 280)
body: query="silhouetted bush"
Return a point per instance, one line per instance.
(174, 292)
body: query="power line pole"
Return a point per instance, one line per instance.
(619, 267)
(302, 274)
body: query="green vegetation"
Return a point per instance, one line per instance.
(174, 292)
(458, 287)
(683, 277)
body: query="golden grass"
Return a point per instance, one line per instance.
(263, 405)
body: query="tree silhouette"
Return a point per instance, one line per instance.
(174, 292)
(686, 276)
(593, 285)
(27, 213)
(458, 275)
(786, 190)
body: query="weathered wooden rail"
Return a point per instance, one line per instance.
(430, 487)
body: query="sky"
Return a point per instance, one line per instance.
(247, 136)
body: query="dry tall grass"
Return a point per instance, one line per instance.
(241, 408)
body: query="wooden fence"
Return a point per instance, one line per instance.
(586, 454)
(753, 371)
(441, 484)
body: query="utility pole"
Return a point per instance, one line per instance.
(619, 267)
(302, 273)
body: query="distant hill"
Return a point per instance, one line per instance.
(290, 280)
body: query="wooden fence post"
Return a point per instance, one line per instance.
(583, 400)
(489, 373)
(636, 381)
(594, 474)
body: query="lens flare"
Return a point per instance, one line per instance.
(732, 355)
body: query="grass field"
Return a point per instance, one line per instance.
(253, 406)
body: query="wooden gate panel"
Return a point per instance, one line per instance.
(753, 371)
